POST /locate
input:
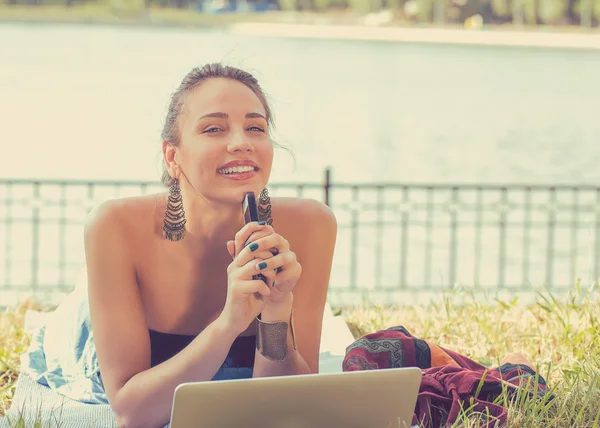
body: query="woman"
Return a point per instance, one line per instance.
(171, 292)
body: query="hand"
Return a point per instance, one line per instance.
(246, 297)
(274, 260)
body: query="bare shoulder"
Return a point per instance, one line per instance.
(302, 210)
(301, 219)
(125, 214)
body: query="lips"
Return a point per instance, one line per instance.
(236, 164)
(238, 170)
(245, 175)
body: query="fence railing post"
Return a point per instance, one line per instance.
(35, 235)
(327, 185)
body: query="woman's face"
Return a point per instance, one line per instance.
(225, 149)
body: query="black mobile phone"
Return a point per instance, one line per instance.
(249, 208)
(250, 212)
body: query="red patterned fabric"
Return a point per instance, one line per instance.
(451, 382)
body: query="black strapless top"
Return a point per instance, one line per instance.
(166, 345)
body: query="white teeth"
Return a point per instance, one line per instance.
(237, 169)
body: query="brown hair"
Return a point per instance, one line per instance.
(195, 77)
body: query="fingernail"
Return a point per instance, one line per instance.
(262, 265)
(262, 223)
(253, 246)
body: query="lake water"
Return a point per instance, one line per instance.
(88, 102)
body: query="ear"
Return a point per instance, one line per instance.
(169, 151)
(231, 248)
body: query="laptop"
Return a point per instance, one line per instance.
(384, 398)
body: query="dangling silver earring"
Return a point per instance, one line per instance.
(174, 220)
(264, 207)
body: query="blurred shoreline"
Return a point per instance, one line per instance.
(423, 35)
(324, 25)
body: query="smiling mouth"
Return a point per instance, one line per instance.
(236, 170)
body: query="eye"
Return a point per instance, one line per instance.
(256, 128)
(212, 129)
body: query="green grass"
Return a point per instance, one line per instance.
(560, 336)
(13, 341)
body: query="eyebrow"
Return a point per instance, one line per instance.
(220, 115)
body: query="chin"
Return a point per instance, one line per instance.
(233, 191)
(236, 196)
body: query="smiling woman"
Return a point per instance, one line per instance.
(171, 291)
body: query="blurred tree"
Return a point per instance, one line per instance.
(424, 10)
(439, 11)
(288, 5)
(505, 9)
(127, 8)
(550, 12)
(323, 5)
(530, 10)
(362, 6)
(589, 12)
(501, 7)
(585, 10)
(570, 14)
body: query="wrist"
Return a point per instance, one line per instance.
(278, 311)
(225, 330)
(275, 337)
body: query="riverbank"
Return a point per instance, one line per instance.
(565, 40)
(330, 25)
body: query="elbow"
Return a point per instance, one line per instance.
(130, 411)
(122, 422)
(128, 417)
(125, 420)
(124, 416)
(137, 419)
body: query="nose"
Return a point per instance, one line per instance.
(239, 143)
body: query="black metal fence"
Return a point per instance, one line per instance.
(394, 240)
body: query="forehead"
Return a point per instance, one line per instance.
(223, 96)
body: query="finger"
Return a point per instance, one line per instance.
(253, 287)
(266, 231)
(245, 256)
(262, 255)
(272, 245)
(244, 233)
(268, 277)
(280, 260)
(291, 271)
(249, 271)
(231, 248)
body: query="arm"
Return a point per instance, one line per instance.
(140, 396)
(312, 235)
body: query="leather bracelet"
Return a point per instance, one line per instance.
(271, 338)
